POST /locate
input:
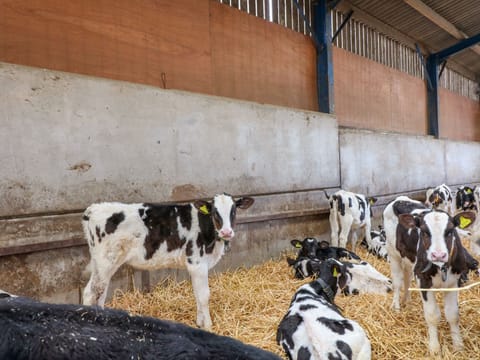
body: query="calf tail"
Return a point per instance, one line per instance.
(326, 194)
(87, 231)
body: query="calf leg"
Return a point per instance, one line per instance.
(95, 292)
(397, 280)
(451, 314)
(333, 228)
(199, 276)
(432, 317)
(346, 225)
(407, 280)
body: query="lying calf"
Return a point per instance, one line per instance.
(363, 277)
(314, 328)
(321, 250)
(377, 246)
(34, 330)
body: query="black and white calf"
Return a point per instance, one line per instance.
(314, 327)
(35, 330)
(350, 215)
(363, 277)
(321, 250)
(465, 199)
(153, 236)
(426, 243)
(378, 245)
(440, 198)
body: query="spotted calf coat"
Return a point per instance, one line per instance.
(152, 236)
(425, 242)
(378, 245)
(440, 198)
(321, 250)
(363, 277)
(350, 214)
(465, 199)
(314, 327)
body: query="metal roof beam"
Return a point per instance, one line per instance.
(345, 6)
(440, 21)
(461, 45)
(322, 26)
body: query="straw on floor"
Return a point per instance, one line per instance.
(248, 304)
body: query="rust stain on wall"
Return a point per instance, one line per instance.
(186, 191)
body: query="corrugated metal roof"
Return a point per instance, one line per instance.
(463, 14)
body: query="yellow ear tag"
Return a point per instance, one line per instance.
(298, 245)
(468, 191)
(464, 222)
(335, 272)
(204, 209)
(371, 202)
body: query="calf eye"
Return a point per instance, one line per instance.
(426, 233)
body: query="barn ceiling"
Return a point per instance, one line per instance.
(433, 24)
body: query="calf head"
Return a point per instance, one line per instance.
(311, 248)
(465, 199)
(365, 279)
(223, 209)
(307, 248)
(325, 251)
(437, 234)
(304, 267)
(332, 273)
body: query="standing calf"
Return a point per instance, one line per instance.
(350, 213)
(426, 242)
(154, 236)
(314, 328)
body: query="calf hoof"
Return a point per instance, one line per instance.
(458, 347)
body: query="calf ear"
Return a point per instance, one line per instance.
(324, 244)
(296, 243)
(407, 221)
(203, 206)
(244, 202)
(464, 219)
(372, 200)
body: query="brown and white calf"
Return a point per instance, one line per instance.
(350, 214)
(153, 236)
(425, 242)
(314, 328)
(440, 198)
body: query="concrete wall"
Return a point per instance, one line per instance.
(382, 163)
(70, 140)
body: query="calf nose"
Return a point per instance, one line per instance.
(226, 233)
(439, 256)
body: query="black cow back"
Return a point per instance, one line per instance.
(33, 330)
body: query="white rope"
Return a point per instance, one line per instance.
(447, 289)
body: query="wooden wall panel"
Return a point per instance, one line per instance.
(459, 117)
(260, 61)
(372, 96)
(133, 41)
(206, 47)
